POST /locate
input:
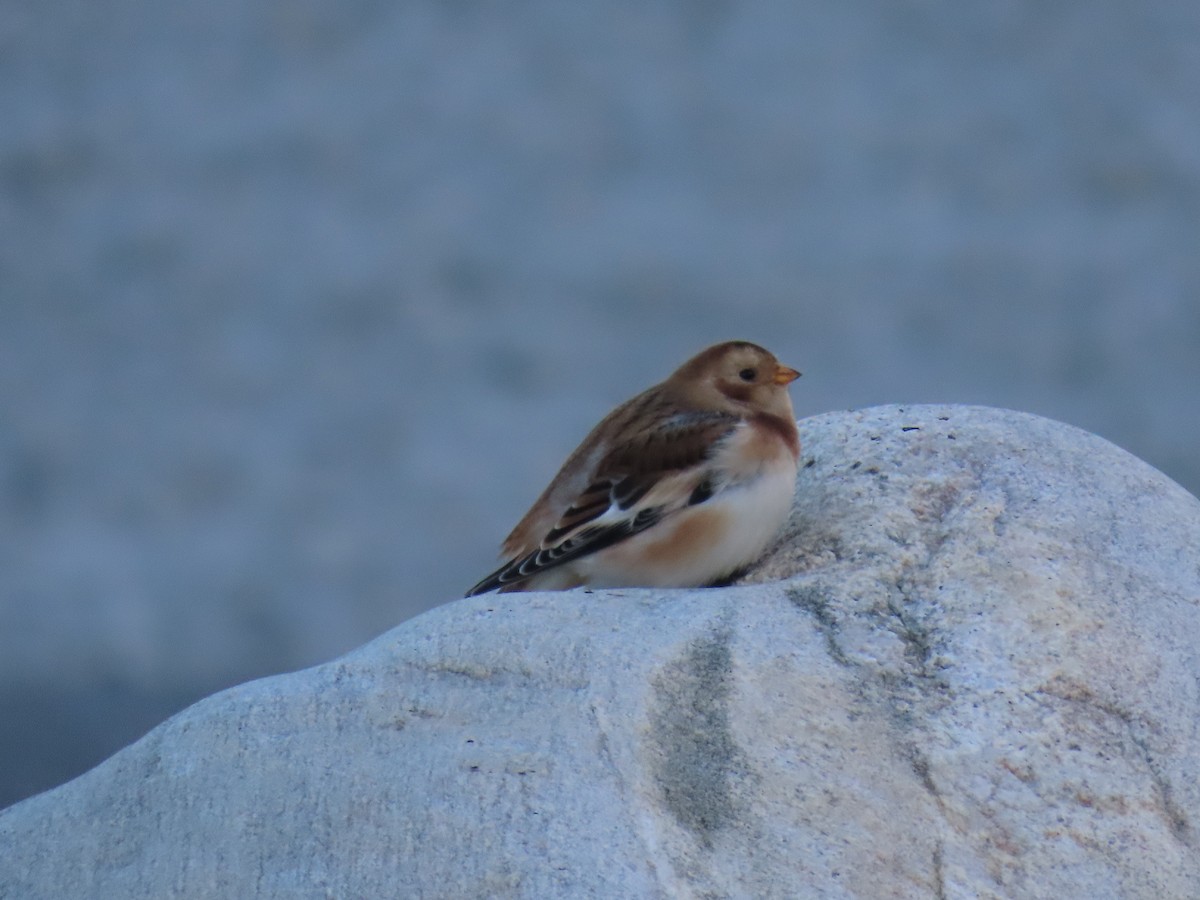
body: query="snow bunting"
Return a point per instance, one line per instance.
(683, 486)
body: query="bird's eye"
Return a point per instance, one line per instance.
(747, 374)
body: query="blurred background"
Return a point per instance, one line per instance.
(302, 302)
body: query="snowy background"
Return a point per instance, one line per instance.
(303, 301)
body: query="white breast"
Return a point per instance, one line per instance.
(756, 510)
(699, 544)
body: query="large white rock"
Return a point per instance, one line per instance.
(971, 669)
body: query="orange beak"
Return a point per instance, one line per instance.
(784, 375)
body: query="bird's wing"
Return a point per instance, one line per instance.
(654, 472)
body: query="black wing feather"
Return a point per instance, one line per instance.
(625, 475)
(590, 540)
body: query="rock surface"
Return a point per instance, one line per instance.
(969, 669)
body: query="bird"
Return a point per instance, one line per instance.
(684, 485)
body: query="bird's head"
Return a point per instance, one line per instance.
(738, 377)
